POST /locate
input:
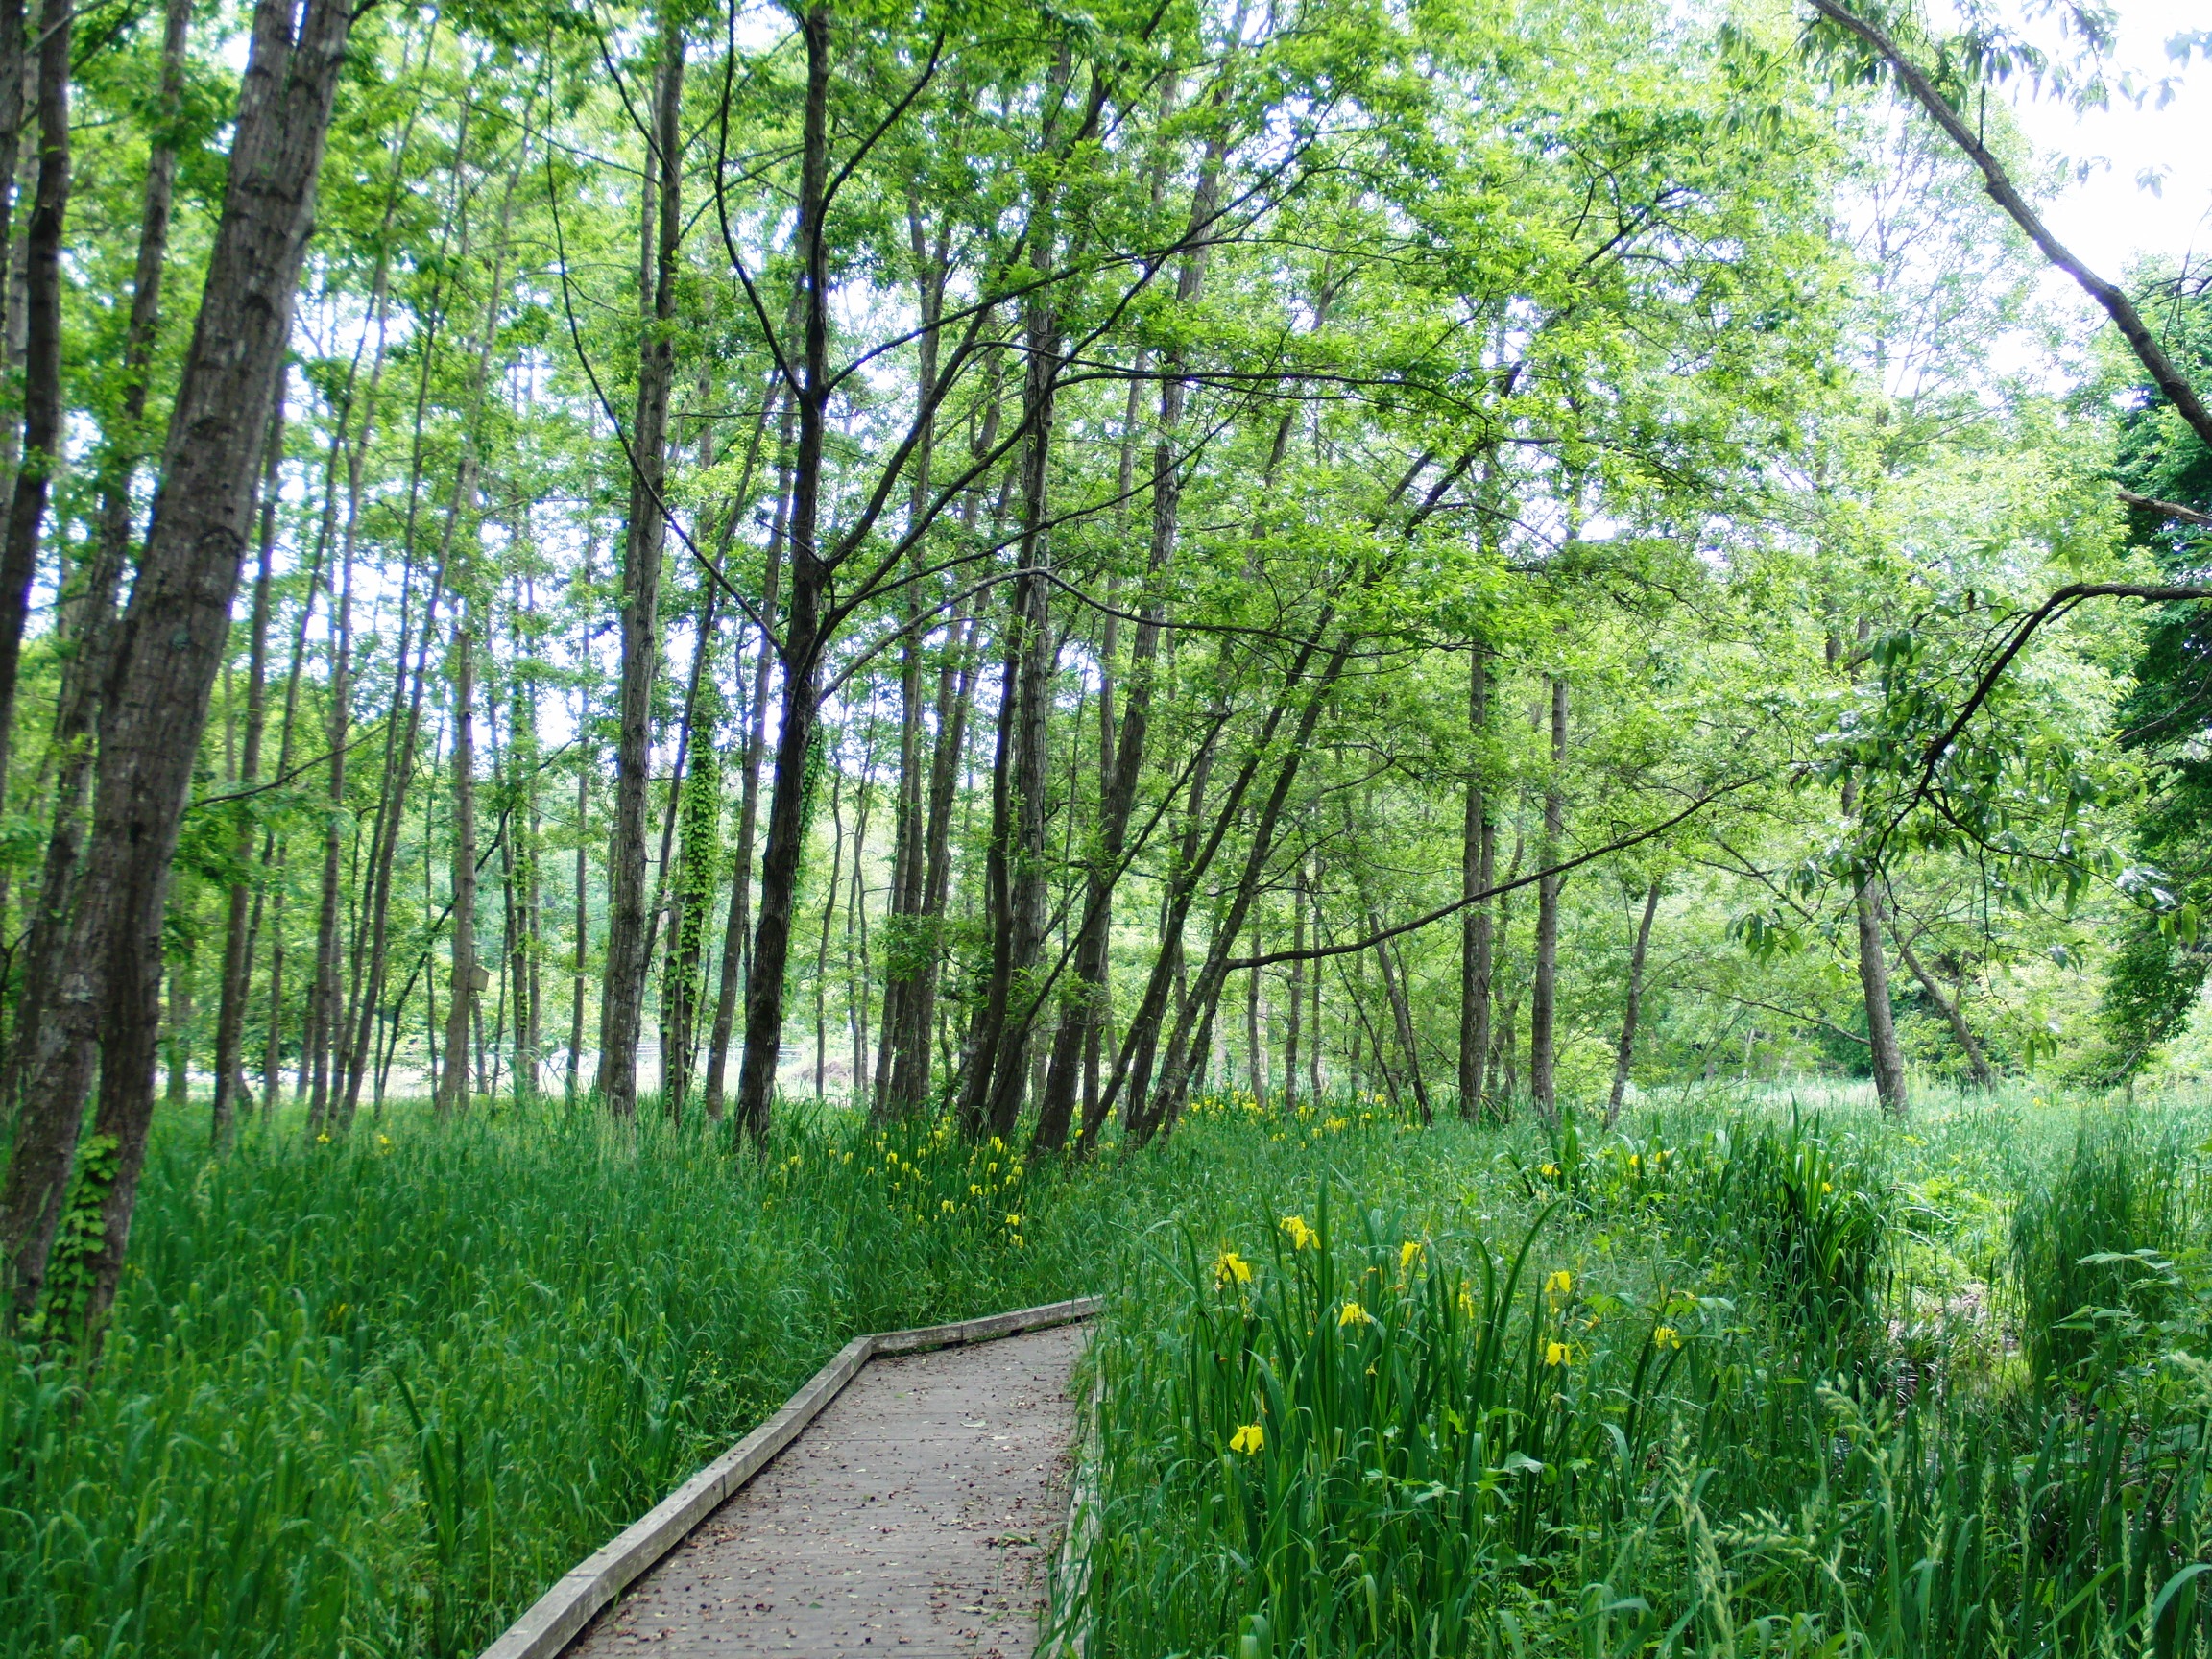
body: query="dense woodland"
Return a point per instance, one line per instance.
(1021, 565)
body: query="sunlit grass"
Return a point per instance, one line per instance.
(371, 1397)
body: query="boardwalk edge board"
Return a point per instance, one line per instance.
(1068, 1614)
(556, 1617)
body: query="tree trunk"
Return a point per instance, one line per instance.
(402, 737)
(1888, 1061)
(1117, 788)
(1402, 1017)
(1952, 1014)
(171, 644)
(627, 947)
(829, 914)
(1169, 1094)
(42, 453)
(1477, 871)
(1626, 1053)
(1543, 994)
(734, 936)
(92, 624)
(453, 1080)
(994, 1090)
(1297, 998)
(905, 925)
(803, 640)
(242, 912)
(583, 928)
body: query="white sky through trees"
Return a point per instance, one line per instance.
(2107, 216)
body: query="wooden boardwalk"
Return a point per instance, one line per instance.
(916, 1515)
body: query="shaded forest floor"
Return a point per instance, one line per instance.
(371, 1397)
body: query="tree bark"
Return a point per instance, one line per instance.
(453, 1080)
(1297, 992)
(43, 412)
(1543, 994)
(1402, 1017)
(734, 936)
(90, 611)
(241, 911)
(1952, 1014)
(627, 946)
(171, 644)
(1478, 868)
(583, 928)
(803, 638)
(1625, 1055)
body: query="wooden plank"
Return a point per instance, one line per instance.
(555, 1618)
(987, 1329)
(1068, 1635)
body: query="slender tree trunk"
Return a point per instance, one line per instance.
(453, 1081)
(627, 947)
(1402, 1017)
(171, 644)
(992, 1093)
(803, 638)
(1297, 998)
(402, 737)
(904, 924)
(90, 611)
(697, 794)
(829, 914)
(735, 937)
(583, 929)
(1626, 1053)
(42, 453)
(1120, 777)
(1543, 995)
(243, 910)
(1478, 867)
(1883, 1052)
(1170, 1091)
(955, 703)
(1953, 1015)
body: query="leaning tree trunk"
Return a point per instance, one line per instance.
(627, 949)
(1952, 1014)
(171, 644)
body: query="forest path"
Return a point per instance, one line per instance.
(916, 1515)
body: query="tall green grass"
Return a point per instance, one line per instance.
(373, 1398)
(1690, 1412)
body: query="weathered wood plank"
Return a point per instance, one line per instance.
(549, 1626)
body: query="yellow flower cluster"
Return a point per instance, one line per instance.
(1231, 1269)
(1302, 1237)
(1248, 1439)
(939, 1179)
